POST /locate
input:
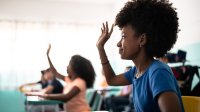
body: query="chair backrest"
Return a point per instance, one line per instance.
(90, 94)
(191, 103)
(97, 102)
(12, 101)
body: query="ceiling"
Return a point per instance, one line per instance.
(76, 11)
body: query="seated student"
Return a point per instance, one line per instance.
(43, 83)
(48, 82)
(53, 85)
(148, 30)
(81, 75)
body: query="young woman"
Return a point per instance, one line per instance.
(81, 75)
(149, 29)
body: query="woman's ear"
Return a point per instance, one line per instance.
(142, 40)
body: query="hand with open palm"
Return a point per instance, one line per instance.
(105, 35)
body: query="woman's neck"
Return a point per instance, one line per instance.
(142, 63)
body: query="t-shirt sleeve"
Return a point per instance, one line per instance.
(162, 81)
(81, 84)
(129, 75)
(67, 79)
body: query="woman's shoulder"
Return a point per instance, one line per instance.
(79, 79)
(158, 65)
(79, 82)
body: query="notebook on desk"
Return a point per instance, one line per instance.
(34, 98)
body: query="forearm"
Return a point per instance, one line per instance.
(28, 84)
(108, 71)
(58, 75)
(48, 89)
(60, 97)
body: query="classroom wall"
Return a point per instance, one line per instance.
(81, 15)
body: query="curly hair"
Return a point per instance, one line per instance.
(84, 69)
(156, 19)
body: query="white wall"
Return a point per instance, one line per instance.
(71, 26)
(188, 12)
(96, 11)
(91, 13)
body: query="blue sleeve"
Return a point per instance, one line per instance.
(129, 75)
(162, 81)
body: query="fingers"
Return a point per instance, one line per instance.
(111, 29)
(107, 29)
(101, 30)
(104, 27)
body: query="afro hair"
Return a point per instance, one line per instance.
(156, 19)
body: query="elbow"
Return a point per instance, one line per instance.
(110, 83)
(64, 100)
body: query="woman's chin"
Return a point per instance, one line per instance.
(122, 56)
(125, 57)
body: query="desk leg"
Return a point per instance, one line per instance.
(57, 108)
(43, 108)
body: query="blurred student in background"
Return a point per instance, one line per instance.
(53, 85)
(103, 83)
(81, 75)
(27, 87)
(49, 83)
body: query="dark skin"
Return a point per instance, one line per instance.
(61, 97)
(131, 47)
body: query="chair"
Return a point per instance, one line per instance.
(90, 94)
(191, 103)
(97, 102)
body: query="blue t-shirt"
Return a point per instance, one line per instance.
(156, 79)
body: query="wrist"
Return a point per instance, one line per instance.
(104, 62)
(45, 96)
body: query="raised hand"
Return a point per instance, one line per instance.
(105, 35)
(48, 50)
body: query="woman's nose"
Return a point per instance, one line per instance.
(119, 43)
